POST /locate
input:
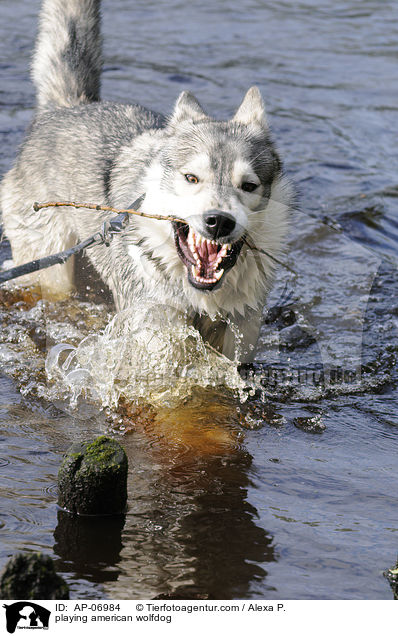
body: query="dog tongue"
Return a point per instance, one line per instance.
(207, 252)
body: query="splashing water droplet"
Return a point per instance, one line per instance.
(150, 355)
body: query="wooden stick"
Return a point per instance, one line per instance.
(158, 217)
(258, 249)
(104, 208)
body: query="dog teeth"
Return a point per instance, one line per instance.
(191, 240)
(223, 251)
(195, 241)
(221, 254)
(192, 246)
(201, 279)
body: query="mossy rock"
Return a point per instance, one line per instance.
(92, 479)
(32, 576)
(392, 577)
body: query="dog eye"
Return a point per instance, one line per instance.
(191, 178)
(247, 186)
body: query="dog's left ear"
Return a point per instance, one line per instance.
(252, 110)
(187, 107)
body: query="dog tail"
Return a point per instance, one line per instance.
(67, 61)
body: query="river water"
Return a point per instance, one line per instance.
(293, 493)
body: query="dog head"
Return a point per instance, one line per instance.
(221, 179)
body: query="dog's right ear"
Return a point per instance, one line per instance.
(187, 107)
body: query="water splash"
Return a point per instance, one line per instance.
(150, 355)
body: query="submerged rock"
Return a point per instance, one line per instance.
(392, 577)
(312, 424)
(294, 337)
(92, 479)
(32, 576)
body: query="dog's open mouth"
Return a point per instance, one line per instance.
(205, 260)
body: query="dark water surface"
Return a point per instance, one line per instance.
(305, 504)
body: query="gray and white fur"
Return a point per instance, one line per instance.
(224, 177)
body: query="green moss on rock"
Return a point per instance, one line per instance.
(92, 479)
(32, 576)
(392, 577)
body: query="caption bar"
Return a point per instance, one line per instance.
(150, 616)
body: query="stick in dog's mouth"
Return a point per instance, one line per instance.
(206, 261)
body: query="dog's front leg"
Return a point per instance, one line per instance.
(235, 337)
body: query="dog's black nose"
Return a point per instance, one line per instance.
(219, 224)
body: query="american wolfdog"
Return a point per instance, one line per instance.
(224, 178)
